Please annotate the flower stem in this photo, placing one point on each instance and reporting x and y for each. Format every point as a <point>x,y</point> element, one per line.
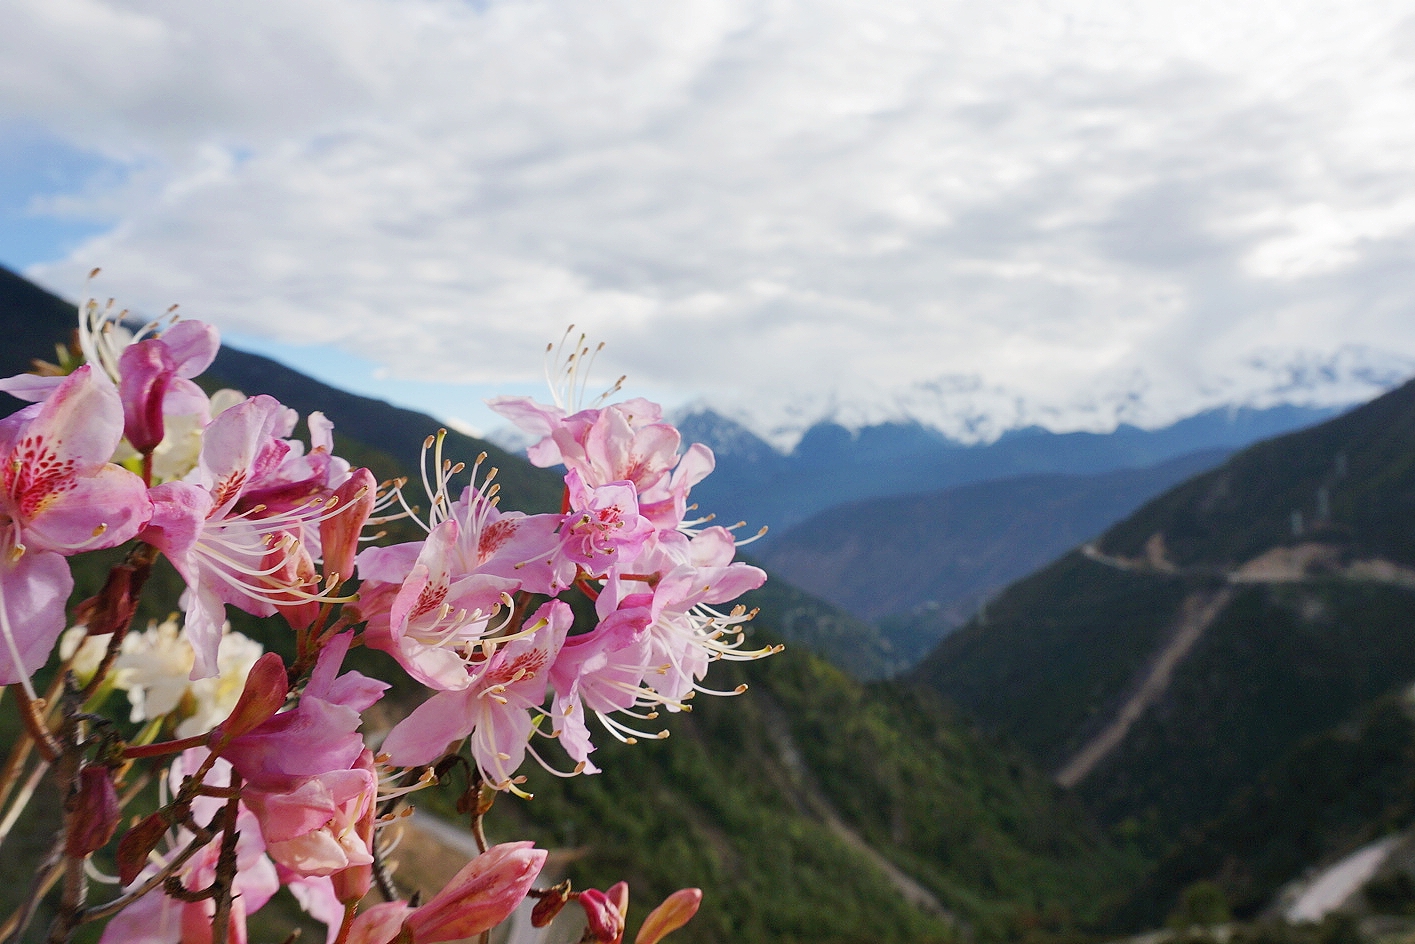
<point>161,748</point>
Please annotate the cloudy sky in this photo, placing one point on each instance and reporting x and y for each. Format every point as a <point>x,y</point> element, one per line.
<point>982,213</point>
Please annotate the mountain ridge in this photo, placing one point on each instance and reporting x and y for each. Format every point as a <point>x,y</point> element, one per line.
<point>1251,607</point>
<point>953,547</point>
<point>832,465</point>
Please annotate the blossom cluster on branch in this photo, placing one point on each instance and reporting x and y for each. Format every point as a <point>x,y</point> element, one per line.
<point>263,775</point>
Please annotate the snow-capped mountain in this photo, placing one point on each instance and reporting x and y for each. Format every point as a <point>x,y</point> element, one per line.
<point>778,463</point>
<point>967,409</point>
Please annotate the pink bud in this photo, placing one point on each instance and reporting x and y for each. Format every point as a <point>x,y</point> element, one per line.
<point>605,917</point>
<point>267,685</point>
<point>96,812</point>
<point>339,534</point>
<point>147,370</point>
<point>677,909</point>
<point>291,569</point>
<point>380,924</point>
<point>618,893</point>
<point>480,896</point>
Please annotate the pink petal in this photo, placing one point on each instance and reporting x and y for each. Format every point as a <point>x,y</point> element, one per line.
<point>423,736</point>
<point>388,564</point>
<point>31,388</point>
<point>32,594</point>
<point>240,446</point>
<point>146,371</point>
<point>193,345</point>
<point>81,422</point>
<point>535,418</point>
<point>100,510</point>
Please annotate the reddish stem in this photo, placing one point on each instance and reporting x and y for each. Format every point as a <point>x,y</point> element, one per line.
<point>165,747</point>
<point>30,714</point>
<point>586,589</point>
<point>351,909</point>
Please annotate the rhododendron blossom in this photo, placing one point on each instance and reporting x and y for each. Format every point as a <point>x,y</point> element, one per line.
<point>60,496</point>
<point>266,772</point>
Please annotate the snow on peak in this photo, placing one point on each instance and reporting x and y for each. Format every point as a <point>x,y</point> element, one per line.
<point>969,409</point>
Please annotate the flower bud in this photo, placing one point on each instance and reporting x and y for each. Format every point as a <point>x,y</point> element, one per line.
<point>480,896</point>
<point>137,843</point>
<point>381,924</point>
<point>112,608</point>
<point>267,685</point>
<point>604,916</point>
<point>339,533</point>
<point>677,909</point>
<point>618,893</point>
<point>146,371</point>
<point>552,900</point>
<point>95,812</point>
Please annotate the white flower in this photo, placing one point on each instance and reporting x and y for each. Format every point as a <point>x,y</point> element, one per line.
<point>154,666</point>
<point>84,651</point>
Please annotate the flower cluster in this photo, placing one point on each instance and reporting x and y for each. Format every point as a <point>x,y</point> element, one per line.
<point>271,780</point>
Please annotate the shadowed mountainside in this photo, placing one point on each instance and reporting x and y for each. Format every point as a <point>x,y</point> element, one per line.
<point>1286,578</point>
<point>953,548</point>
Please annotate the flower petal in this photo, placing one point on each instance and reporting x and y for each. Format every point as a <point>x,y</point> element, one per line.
<point>32,594</point>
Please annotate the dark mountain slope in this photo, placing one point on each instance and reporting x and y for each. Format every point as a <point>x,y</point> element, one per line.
<point>1202,638</point>
<point>955,547</point>
<point>1335,791</point>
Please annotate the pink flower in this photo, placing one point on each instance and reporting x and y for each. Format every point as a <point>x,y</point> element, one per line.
<point>495,708</point>
<point>623,442</point>
<point>691,576</point>
<point>429,603</point>
<point>431,620</point>
<point>244,531</point>
<point>604,525</point>
<point>60,496</point>
<point>314,828</point>
<point>479,897</point>
<point>601,671</point>
<point>317,736</point>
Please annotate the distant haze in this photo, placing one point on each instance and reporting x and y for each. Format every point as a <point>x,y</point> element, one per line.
<point>979,216</point>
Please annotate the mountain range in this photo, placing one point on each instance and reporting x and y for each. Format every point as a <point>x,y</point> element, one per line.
<point>1173,671</point>
<point>832,465</point>
<point>921,565</point>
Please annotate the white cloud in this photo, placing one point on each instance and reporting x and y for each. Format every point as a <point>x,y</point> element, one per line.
<point>1096,211</point>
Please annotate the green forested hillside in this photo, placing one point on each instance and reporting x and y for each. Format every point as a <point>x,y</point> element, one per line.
<point>1193,648</point>
<point>1335,791</point>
